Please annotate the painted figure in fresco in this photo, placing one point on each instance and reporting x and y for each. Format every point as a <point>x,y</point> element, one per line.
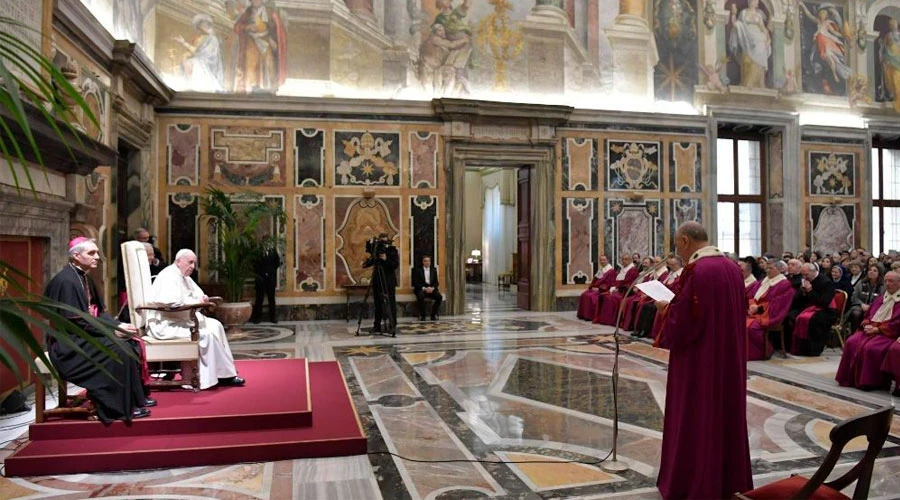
<point>203,67</point>
<point>128,18</point>
<point>889,56</point>
<point>433,54</point>
<point>261,53</point>
<point>829,47</point>
<point>454,74</point>
<point>674,20</point>
<point>751,43</point>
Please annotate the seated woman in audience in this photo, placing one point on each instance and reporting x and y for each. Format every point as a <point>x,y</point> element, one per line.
<point>840,281</point>
<point>865,351</point>
<point>855,268</point>
<point>825,265</point>
<point>864,294</point>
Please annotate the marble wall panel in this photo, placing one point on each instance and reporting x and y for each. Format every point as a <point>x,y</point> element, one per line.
<point>367,158</point>
<point>270,227</point>
<point>423,223</point>
<point>183,210</point>
<point>776,165</point>
<point>579,169</point>
<point>632,165</point>
<point>309,157</point>
<point>423,163</point>
<point>684,210</point>
<point>183,154</point>
<point>579,241</point>
<point>357,220</point>
<point>686,170</point>
<point>247,156</point>
<point>831,228</point>
<point>633,227</point>
<point>831,173</point>
<point>309,243</point>
<point>775,228</point>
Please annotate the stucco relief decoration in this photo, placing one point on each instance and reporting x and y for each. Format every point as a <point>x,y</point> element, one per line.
<point>309,157</point>
<point>247,156</point>
<point>633,166</point>
<point>579,247</point>
<point>183,154</point>
<point>360,219</point>
<point>833,227</point>
<point>686,171</point>
<point>367,159</point>
<point>309,247</point>
<point>831,174</point>
<point>579,164</point>
<point>94,93</point>
<point>423,230</point>
<point>423,153</point>
<point>633,228</point>
<point>95,187</point>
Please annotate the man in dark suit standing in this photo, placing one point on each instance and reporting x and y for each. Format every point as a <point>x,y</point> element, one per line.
<point>425,285</point>
<point>266,267</point>
<point>386,260</point>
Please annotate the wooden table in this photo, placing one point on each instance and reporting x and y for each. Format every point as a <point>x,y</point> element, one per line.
<point>473,272</point>
<point>351,290</point>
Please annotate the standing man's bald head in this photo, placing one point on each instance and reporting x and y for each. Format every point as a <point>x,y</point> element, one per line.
<point>689,238</point>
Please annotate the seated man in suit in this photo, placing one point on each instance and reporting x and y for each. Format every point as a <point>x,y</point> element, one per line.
<point>425,285</point>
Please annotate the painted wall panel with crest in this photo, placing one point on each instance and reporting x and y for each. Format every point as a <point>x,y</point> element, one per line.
<point>358,220</point>
<point>632,166</point>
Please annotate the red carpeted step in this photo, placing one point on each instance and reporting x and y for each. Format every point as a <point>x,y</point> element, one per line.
<point>335,431</point>
<point>276,395</point>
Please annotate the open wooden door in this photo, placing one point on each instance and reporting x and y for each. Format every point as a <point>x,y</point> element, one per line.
<point>27,255</point>
<point>523,207</point>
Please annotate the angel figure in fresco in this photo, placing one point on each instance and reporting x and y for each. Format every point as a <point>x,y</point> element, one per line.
<point>203,67</point>
<point>751,43</point>
<point>455,36</point>
<point>433,54</point>
<point>260,56</point>
<point>715,80</point>
<point>829,46</point>
<point>889,57</point>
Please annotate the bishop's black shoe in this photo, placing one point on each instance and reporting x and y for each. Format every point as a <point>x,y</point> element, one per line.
<point>148,402</point>
<point>140,413</point>
<point>232,381</point>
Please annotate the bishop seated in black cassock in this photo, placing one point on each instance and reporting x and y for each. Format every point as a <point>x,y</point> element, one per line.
<point>118,394</point>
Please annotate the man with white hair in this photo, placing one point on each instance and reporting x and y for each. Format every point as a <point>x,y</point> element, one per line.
<point>174,286</point>
<point>813,324</point>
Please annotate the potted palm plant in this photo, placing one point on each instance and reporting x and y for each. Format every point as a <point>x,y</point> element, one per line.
<point>240,222</point>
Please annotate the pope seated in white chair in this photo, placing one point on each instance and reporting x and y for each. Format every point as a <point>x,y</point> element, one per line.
<point>174,287</point>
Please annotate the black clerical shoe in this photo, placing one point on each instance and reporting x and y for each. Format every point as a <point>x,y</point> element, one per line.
<point>140,413</point>
<point>421,318</point>
<point>433,318</point>
<point>148,402</point>
<point>232,381</point>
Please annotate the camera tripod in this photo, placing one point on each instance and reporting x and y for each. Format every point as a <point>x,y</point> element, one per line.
<point>386,312</point>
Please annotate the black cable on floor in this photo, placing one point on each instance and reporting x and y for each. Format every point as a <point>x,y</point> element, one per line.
<point>582,462</point>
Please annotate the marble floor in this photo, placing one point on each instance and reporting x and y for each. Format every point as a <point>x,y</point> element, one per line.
<point>497,403</point>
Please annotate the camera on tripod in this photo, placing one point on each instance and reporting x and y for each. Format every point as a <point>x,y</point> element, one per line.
<point>376,246</point>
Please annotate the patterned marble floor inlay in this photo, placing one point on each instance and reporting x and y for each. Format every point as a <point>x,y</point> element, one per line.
<point>497,403</point>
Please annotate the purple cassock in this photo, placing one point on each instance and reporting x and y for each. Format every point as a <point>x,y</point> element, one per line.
<point>636,300</point>
<point>864,354</point>
<point>705,447</point>
<point>587,303</point>
<point>891,365</point>
<point>751,285</point>
<point>609,307</point>
<point>775,303</point>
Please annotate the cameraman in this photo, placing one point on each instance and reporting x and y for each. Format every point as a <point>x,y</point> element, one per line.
<point>384,256</point>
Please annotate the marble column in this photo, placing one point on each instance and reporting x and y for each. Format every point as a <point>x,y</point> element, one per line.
<point>634,49</point>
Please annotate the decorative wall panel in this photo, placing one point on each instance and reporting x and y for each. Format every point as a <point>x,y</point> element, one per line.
<point>776,166</point>
<point>309,157</point>
<point>423,235</point>
<point>183,154</point>
<point>633,227</point>
<point>684,210</point>
<point>579,169</point>
<point>367,158</point>
<point>632,165</point>
<point>423,148</point>
<point>831,173</point>
<point>687,167</point>
<point>247,156</point>
<point>833,227</point>
<point>309,242</point>
<point>579,240</point>
<point>358,220</point>
<point>182,224</point>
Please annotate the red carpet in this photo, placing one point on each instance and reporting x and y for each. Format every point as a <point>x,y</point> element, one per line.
<point>269,419</point>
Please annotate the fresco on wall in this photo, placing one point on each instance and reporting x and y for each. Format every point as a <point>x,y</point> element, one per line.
<point>748,36</point>
<point>826,40</point>
<point>675,31</point>
<point>887,60</point>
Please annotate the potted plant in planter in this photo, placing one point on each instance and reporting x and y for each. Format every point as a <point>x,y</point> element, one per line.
<point>239,221</point>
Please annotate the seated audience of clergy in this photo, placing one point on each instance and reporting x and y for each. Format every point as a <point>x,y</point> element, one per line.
<point>119,389</point>
<point>173,287</point>
<point>425,286</point>
<point>864,293</point>
<point>608,304</point>
<point>603,280</point>
<point>632,304</point>
<point>813,316</point>
<point>751,284</point>
<point>865,350</point>
<point>768,307</point>
<point>648,320</point>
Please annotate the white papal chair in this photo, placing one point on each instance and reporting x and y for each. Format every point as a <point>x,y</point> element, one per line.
<point>138,285</point>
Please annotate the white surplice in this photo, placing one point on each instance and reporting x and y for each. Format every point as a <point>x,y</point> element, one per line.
<point>173,288</point>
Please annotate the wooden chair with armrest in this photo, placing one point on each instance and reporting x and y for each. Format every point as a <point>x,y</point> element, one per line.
<point>138,284</point>
<point>874,425</point>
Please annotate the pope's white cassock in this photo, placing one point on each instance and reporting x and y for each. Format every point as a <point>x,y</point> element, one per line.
<point>173,288</point>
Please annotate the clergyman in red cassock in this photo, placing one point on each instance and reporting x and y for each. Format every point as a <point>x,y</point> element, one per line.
<point>768,307</point>
<point>603,280</point>
<point>705,446</point>
<point>751,284</point>
<point>626,275</point>
<point>865,350</point>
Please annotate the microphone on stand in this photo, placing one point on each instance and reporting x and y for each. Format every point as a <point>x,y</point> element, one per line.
<point>615,465</point>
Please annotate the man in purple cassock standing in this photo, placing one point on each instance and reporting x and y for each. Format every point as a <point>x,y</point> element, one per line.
<point>705,447</point>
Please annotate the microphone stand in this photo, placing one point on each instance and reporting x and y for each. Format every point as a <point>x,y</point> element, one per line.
<point>614,465</point>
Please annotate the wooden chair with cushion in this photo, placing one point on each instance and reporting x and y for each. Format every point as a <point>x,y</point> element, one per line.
<point>874,425</point>
<point>840,303</point>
